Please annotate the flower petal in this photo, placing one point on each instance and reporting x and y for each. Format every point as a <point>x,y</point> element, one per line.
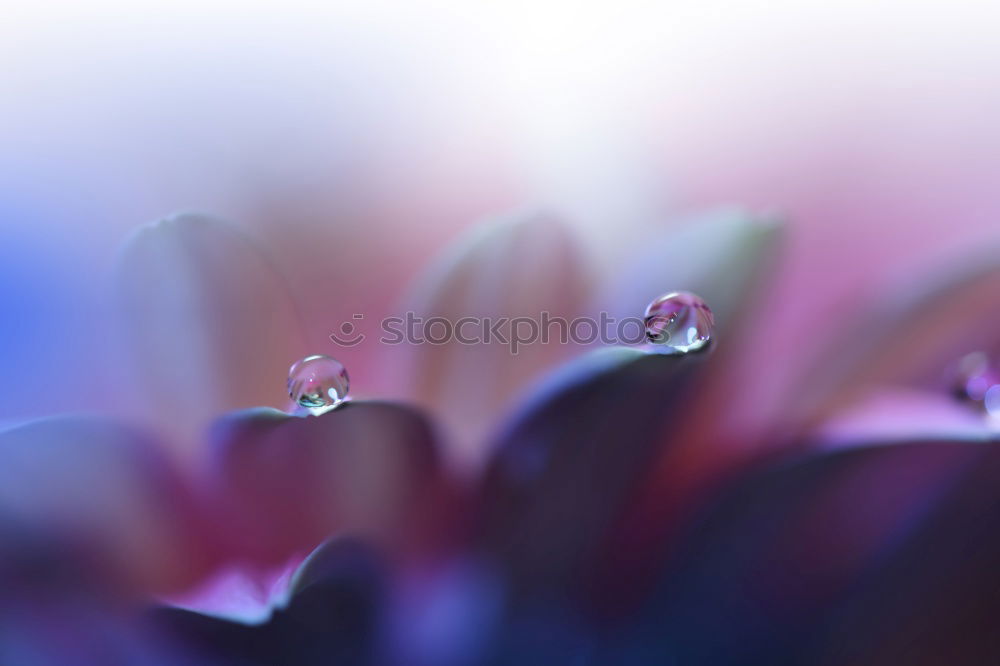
<point>867,555</point>
<point>237,591</point>
<point>340,587</point>
<point>565,466</point>
<point>103,489</point>
<point>627,447</point>
<point>715,256</point>
<point>285,483</point>
<point>518,266</point>
<point>334,616</point>
<point>905,416</point>
<point>212,325</point>
<point>908,338</point>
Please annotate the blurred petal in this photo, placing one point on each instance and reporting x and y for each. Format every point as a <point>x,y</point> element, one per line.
<point>73,631</point>
<point>238,592</point>
<point>285,483</point>
<point>446,616</point>
<point>57,609</point>
<point>909,337</point>
<point>906,415</point>
<point>614,451</point>
<point>334,616</point>
<point>517,266</point>
<point>327,561</point>
<point>546,634</point>
<point>104,489</point>
<point>715,256</point>
<point>210,322</point>
<point>339,588</point>
<point>882,555</point>
<point>727,258</point>
<point>219,641</point>
<point>564,468</point>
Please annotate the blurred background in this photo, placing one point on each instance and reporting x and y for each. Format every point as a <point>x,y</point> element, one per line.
<point>355,140</point>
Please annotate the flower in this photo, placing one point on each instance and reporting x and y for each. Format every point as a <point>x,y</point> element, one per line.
<point>615,515</point>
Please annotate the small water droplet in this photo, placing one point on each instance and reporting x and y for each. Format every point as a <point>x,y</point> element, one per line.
<point>679,322</point>
<point>975,380</point>
<point>318,383</point>
<point>973,376</point>
<point>991,401</point>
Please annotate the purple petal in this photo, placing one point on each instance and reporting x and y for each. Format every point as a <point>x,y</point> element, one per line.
<point>327,562</point>
<point>564,469</point>
<point>211,324</point>
<point>285,483</point>
<point>614,453</point>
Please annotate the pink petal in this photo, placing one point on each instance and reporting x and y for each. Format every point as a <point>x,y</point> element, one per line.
<point>211,324</point>
<point>907,338</point>
<point>242,593</point>
<point>105,490</point>
<point>283,484</point>
<point>906,415</point>
<point>518,266</point>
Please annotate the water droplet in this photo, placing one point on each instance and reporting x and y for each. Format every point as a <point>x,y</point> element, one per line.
<point>991,401</point>
<point>319,383</point>
<point>973,376</point>
<point>975,380</point>
<point>679,322</point>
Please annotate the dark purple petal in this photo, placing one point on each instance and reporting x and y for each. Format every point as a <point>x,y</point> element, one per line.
<point>564,469</point>
<point>75,631</point>
<point>339,587</point>
<point>285,483</point>
<point>218,641</point>
<point>883,555</point>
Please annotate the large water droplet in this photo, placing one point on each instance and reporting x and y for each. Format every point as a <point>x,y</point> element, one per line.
<point>319,383</point>
<point>679,322</point>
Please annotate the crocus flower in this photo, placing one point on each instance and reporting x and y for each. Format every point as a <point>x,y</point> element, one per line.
<point>613,513</point>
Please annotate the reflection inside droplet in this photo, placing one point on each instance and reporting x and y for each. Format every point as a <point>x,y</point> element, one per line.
<point>975,380</point>
<point>973,376</point>
<point>318,383</point>
<point>679,322</point>
<point>991,401</point>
